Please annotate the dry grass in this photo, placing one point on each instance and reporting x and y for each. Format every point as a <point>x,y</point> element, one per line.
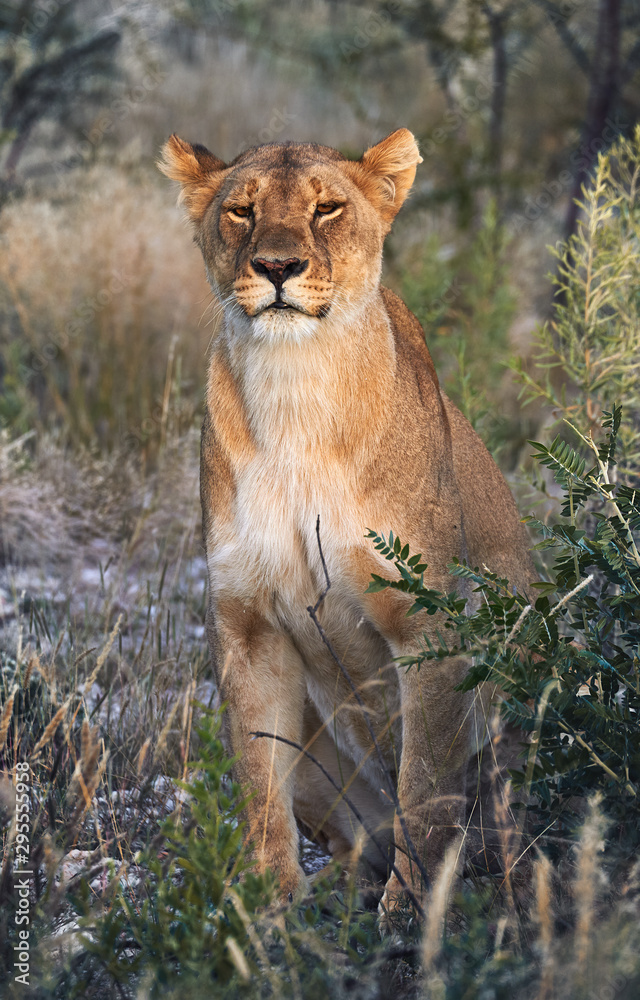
<point>575,933</point>
<point>103,293</point>
<point>102,650</point>
<point>97,556</point>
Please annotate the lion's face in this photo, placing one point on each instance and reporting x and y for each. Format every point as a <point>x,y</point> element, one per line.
<point>290,239</point>
<point>292,233</point>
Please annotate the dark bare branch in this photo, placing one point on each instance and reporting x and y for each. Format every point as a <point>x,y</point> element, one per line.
<point>39,85</point>
<point>324,567</point>
<point>352,807</point>
<point>569,40</point>
<point>631,66</point>
<point>497,21</point>
<point>604,91</point>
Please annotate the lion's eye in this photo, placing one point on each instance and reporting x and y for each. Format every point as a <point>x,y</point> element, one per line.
<point>326,207</point>
<point>241,211</point>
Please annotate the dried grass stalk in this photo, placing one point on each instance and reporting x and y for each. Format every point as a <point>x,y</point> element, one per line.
<point>33,664</point>
<point>166,729</point>
<point>142,756</point>
<point>543,916</point>
<point>88,684</point>
<point>585,887</point>
<point>88,783</point>
<point>254,938</point>
<point>51,728</point>
<point>5,718</point>
<point>238,959</point>
<point>437,911</point>
<point>89,747</point>
<point>509,834</point>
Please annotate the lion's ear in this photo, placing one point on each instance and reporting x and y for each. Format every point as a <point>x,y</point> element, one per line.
<point>387,171</point>
<point>200,173</point>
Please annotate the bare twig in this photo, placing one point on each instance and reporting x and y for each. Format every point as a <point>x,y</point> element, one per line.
<point>367,719</point>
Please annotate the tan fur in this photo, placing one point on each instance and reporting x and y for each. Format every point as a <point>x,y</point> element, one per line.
<point>332,407</point>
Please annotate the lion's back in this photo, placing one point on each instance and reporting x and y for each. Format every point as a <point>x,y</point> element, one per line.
<point>494,533</point>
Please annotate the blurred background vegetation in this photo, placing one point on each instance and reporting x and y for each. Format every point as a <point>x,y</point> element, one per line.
<point>105,321</point>
<point>105,317</point>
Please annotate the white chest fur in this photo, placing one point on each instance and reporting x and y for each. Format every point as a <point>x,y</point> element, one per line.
<point>314,411</point>
<point>270,544</point>
<point>301,403</point>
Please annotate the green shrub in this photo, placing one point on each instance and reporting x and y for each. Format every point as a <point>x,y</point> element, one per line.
<point>587,356</point>
<point>197,918</point>
<point>187,923</point>
<point>567,660</point>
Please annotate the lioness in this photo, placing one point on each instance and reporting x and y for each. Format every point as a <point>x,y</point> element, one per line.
<point>322,400</point>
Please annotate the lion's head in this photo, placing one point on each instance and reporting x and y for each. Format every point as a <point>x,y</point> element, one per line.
<point>292,233</point>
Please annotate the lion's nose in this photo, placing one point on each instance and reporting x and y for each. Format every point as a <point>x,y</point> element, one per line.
<point>277,271</point>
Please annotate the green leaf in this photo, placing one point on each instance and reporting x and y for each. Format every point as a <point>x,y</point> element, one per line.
<point>561,458</point>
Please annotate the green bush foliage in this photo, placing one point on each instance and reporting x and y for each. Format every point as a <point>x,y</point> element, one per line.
<point>187,923</point>
<point>587,356</point>
<point>567,659</point>
<point>196,917</point>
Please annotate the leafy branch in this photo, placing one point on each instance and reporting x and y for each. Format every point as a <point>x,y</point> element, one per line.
<point>565,657</point>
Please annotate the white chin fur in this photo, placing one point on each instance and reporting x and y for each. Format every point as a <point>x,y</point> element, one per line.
<point>283,325</point>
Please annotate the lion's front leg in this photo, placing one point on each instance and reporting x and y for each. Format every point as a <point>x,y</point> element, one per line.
<point>436,729</point>
<point>260,679</point>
